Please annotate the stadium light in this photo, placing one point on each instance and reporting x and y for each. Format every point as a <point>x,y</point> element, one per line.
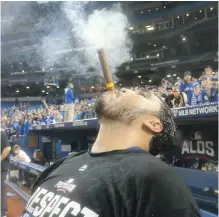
<point>139,76</point>
<point>22,70</point>
<point>150,81</point>
<point>147,56</point>
<point>27,87</point>
<point>150,28</point>
<point>183,38</point>
<point>155,45</point>
<point>178,17</point>
<point>17,91</point>
<point>158,55</point>
<point>200,11</point>
<point>187,15</point>
<point>142,12</point>
<point>43,69</point>
<point>211,8</point>
<point>174,74</point>
<point>43,91</point>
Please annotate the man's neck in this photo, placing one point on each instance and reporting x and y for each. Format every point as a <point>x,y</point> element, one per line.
<point>118,137</point>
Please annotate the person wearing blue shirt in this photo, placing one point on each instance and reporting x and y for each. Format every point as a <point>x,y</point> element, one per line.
<point>15,125</point>
<point>213,95</point>
<point>50,120</point>
<point>209,83</point>
<point>69,103</point>
<point>78,115</point>
<point>27,124</point>
<point>187,86</point>
<point>20,128</point>
<point>198,96</point>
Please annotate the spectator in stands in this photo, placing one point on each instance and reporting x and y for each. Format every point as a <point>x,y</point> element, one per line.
<point>4,121</point>
<point>20,155</point>
<point>78,114</point>
<point>210,83</point>
<point>83,113</point>
<point>61,109</point>
<point>27,124</point>
<point>57,116</point>
<point>20,127</point>
<point>212,91</point>
<point>170,97</point>
<point>69,103</point>
<point>5,152</point>
<point>187,86</point>
<point>91,113</point>
<point>166,84</point>
<point>180,99</point>
<point>38,158</point>
<point>209,73</point>
<point>198,96</point>
<point>161,92</point>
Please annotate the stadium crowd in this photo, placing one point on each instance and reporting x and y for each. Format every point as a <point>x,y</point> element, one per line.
<point>188,91</point>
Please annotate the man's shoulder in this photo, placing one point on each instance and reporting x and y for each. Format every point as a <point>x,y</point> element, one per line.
<point>144,164</point>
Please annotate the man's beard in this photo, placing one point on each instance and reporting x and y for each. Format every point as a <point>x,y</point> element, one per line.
<point>115,111</point>
<point>104,112</point>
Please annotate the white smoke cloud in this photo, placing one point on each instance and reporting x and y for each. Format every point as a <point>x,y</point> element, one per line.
<point>106,28</point>
<point>56,33</point>
<point>53,46</point>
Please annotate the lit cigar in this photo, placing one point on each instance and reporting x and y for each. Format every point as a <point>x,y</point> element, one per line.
<point>106,72</point>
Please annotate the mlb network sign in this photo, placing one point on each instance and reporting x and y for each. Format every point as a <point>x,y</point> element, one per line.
<point>202,110</point>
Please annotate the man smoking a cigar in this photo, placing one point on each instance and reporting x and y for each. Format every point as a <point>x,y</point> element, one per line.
<point>117,176</point>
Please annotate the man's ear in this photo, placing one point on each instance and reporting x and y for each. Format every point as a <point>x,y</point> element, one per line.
<point>154,126</point>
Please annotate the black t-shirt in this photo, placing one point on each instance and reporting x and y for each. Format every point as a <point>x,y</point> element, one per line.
<point>4,143</point>
<point>112,184</point>
<point>168,100</point>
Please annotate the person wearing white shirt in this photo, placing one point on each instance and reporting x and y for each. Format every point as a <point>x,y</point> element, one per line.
<point>20,155</point>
